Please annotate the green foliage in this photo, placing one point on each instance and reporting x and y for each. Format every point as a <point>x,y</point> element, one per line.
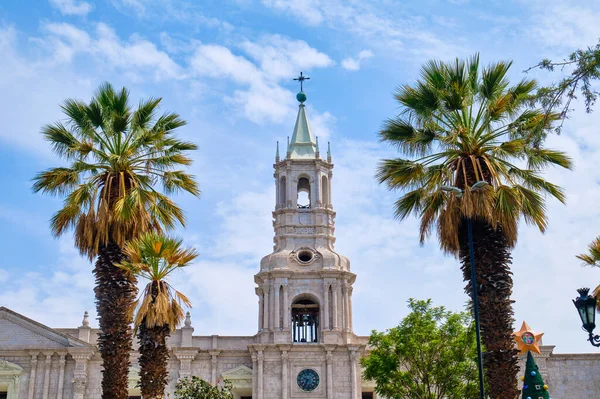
<point>583,68</point>
<point>430,355</point>
<point>462,123</point>
<point>196,388</point>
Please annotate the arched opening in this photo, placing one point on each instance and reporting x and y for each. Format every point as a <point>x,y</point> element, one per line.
<point>324,190</point>
<point>305,321</point>
<point>282,191</point>
<point>303,193</point>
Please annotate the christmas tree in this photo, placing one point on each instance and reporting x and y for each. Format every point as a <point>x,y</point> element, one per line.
<point>533,383</point>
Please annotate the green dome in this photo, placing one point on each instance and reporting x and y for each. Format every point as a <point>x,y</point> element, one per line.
<point>301,97</point>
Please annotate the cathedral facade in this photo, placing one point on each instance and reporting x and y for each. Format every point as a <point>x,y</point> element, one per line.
<point>304,348</point>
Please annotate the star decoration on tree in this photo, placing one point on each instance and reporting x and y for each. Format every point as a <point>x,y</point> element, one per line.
<point>527,339</point>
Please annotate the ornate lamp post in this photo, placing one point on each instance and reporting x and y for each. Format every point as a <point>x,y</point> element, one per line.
<point>586,307</point>
<point>477,186</point>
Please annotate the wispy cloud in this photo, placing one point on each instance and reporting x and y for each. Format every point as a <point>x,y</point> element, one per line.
<point>353,64</point>
<point>72,7</point>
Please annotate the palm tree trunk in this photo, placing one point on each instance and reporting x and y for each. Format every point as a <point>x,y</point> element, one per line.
<point>115,291</point>
<point>494,281</point>
<point>154,358</point>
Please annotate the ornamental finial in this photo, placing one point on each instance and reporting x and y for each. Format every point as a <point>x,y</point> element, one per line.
<point>301,97</point>
<point>188,319</point>
<point>86,320</point>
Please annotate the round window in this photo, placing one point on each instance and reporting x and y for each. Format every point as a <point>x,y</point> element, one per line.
<point>308,380</point>
<point>305,256</point>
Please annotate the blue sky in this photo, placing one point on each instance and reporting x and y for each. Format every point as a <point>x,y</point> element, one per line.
<point>227,67</point>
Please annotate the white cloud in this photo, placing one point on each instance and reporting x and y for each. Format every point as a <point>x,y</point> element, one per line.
<point>72,7</point>
<point>266,63</point>
<point>353,64</point>
<point>570,26</point>
<point>367,21</point>
<point>134,56</point>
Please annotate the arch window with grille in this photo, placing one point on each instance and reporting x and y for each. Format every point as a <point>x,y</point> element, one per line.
<point>305,321</point>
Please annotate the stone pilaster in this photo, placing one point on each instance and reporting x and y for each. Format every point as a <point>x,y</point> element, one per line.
<point>286,307</point>
<point>254,376</point>
<point>79,381</point>
<point>214,361</point>
<point>185,357</point>
<point>284,374</point>
<point>61,375</point>
<point>354,356</point>
<point>260,358</point>
<point>32,370</point>
<point>47,367</point>
<point>329,362</point>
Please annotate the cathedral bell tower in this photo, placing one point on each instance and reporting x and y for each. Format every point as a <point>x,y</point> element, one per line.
<point>304,286</point>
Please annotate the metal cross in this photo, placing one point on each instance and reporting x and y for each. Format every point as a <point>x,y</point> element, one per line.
<point>301,79</point>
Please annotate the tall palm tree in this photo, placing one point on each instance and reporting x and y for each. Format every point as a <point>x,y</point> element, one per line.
<point>461,125</point>
<point>592,258</point>
<point>153,257</point>
<point>120,166</point>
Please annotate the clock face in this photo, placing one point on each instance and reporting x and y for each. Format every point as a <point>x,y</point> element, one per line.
<point>308,380</point>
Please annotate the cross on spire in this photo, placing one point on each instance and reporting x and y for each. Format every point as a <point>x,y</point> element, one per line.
<point>301,79</point>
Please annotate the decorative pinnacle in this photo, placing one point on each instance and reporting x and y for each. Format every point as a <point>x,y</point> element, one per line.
<point>288,152</point>
<point>277,153</point>
<point>86,320</point>
<point>317,148</point>
<point>583,292</point>
<point>328,151</point>
<point>188,319</point>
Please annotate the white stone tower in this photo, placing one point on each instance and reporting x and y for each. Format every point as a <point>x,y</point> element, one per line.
<point>304,286</point>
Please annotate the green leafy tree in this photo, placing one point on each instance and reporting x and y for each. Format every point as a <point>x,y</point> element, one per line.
<point>120,166</point>
<point>583,67</point>
<point>430,355</point>
<point>153,257</point>
<point>462,124</point>
<point>196,388</point>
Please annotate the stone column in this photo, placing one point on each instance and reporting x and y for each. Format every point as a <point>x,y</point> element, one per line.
<point>32,369</point>
<point>61,376</point>
<point>185,357</point>
<point>260,356</point>
<point>346,310</point>
<point>326,325</point>
<point>261,316</point>
<point>276,311</point>
<point>213,366</point>
<point>254,377</point>
<point>286,306</point>
<point>47,367</point>
<point>79,381</point>
<point>349,289</point>
<point>353,377</point>
<point>336,311</point>
<point>266,308</point>
<point>284,374</point>
<point>329,358</point>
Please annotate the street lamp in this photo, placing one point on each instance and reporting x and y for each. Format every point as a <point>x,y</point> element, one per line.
<point>477,186</point>
<point>586,307</point>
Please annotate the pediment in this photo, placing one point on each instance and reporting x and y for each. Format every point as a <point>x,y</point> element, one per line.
<point>8,368</point>
<point>19,332</point>
<point>238,373</point>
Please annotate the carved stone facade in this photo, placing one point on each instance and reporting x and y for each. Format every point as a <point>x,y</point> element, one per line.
<point>305,347</point>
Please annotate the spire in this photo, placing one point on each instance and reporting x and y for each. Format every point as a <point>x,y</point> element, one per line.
<point>303,144</point>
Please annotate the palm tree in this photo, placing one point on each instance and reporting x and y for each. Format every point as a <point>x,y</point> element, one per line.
<point>153,257</point>
<point>592,258</point>
<point>121,165</point>
<point>461,125</point>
